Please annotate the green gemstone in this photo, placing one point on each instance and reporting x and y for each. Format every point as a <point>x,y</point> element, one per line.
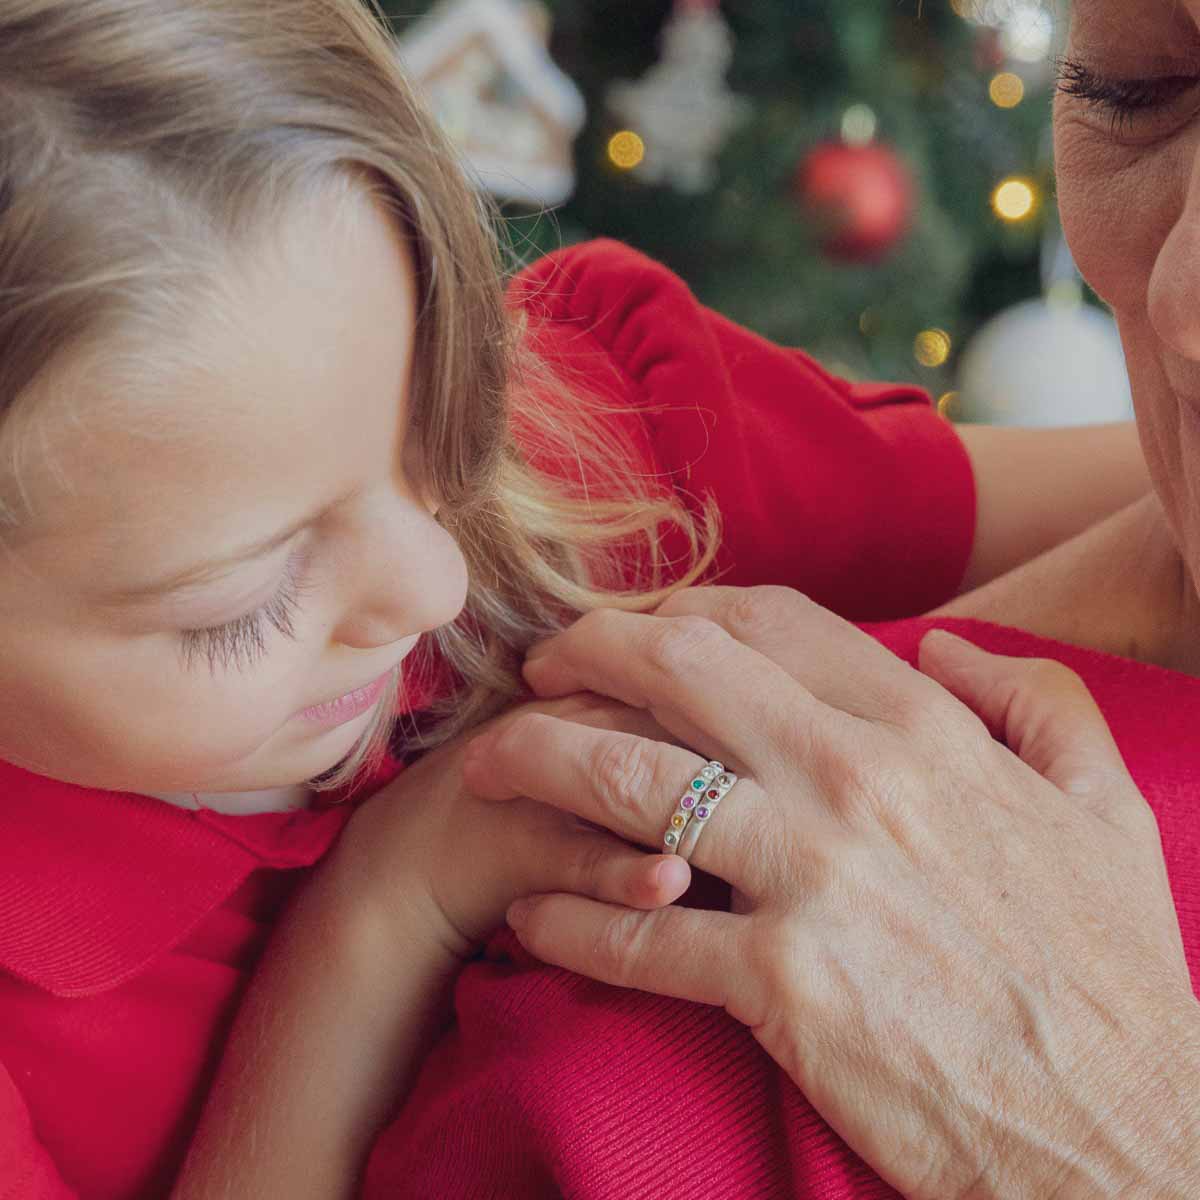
<point>697,784</point>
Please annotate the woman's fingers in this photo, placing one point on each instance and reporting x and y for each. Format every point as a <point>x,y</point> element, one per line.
<point>586,708</point>
<point>691,954</point>
<point>628,784</point>
<point>554,854</point>
<point>718,696</point>
<point>839,664</point>
<point>591,863</point>
<point>596,773</point>
<point>1041,710</point>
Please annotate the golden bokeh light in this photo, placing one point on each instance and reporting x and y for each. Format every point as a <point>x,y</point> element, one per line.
<point>1014,199</point>
<point>1006,90</point>
<point>626,149</point>
<point>932,347</point>
<point>948,405</point>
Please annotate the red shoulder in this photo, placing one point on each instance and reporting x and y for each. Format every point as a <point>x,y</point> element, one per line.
<point>860,495</point>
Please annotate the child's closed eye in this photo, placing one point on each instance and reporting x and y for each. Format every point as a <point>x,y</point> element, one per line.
<point>243,642</point>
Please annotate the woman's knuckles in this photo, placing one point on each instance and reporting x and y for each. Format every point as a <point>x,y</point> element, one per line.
<point>618,946</point>
<point>623,774</point>
<point>764,615</point>
<point>685,646</point>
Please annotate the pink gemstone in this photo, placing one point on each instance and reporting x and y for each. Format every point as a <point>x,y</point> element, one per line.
<point>688,801</point>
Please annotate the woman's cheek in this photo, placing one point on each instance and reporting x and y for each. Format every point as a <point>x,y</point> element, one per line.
<point>1117,208</point>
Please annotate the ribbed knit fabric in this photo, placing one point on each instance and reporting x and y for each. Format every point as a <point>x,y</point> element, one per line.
<point>551,1085</point>
<point>129,928</point>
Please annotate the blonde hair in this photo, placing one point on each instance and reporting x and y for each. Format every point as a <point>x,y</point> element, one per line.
<point>143,142</point>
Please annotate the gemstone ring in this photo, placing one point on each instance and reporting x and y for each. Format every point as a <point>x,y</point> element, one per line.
<point>707,789</point>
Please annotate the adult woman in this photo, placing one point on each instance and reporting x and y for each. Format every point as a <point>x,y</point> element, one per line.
<point>967,958</point>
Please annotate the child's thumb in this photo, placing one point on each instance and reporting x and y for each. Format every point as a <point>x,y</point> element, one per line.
<point>1038,707</point>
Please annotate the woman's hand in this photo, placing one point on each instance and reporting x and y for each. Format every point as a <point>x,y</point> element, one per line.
<point>426,847</point>
<point>967,958</point>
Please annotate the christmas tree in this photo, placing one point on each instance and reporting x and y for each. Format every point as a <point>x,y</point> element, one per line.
<point>870,181</point>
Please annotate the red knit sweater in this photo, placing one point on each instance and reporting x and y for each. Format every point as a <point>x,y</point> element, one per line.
<point>551,1085</point>
<point>128,928</point>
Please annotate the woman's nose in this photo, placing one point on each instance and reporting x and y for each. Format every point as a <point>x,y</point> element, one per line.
<point>401,574</point>
<point>1174,294</point>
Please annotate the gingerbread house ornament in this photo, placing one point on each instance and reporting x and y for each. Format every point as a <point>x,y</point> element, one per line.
<point>486,70</point>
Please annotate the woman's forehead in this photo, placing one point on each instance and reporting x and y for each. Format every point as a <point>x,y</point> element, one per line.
<point>1122,20</point>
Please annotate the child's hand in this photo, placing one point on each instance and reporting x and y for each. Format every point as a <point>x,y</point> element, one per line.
<point>425,848</point>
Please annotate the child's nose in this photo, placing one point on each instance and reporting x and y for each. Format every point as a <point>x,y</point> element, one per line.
<point>405,575</point>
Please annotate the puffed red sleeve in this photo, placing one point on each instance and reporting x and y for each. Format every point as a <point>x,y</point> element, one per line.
<point>861,496</point>
<point>26,1170</point>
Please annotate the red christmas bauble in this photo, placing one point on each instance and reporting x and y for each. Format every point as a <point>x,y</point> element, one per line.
<point>862,198</point>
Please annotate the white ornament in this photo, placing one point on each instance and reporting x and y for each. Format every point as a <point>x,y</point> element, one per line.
<point>1027,32</point>
<point>681,108</point>
<point>484,66</point>
<point>1053,362</point>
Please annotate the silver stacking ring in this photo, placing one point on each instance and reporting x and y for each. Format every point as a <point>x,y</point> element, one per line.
<point>709,786</point>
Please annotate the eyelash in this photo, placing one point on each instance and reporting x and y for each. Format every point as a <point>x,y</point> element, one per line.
<point>242,643</point>
<point>1124,98</point>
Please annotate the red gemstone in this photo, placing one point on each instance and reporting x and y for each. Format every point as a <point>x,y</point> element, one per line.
<point>713,794</point>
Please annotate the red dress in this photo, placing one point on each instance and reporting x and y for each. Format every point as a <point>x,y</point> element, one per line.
<point>129,928</point>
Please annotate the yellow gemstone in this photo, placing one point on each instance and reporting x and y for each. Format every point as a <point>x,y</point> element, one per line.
<point>677,821</point>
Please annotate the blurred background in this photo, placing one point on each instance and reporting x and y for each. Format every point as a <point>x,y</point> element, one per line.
<point>870,180</point>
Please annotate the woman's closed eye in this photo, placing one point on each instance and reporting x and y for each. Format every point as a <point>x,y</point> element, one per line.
<point>243,642</point>
<point>1127,101</point>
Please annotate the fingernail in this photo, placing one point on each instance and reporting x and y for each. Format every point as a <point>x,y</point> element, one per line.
<point>943,637</point>
<point>537,649</point>
<point>534,662</point>
<point>533,670</point>
<point>518,913</point>
<point>476,749</point>
<point>670,873</point>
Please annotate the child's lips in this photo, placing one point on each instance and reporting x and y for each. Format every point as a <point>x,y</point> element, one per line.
<point>356,701</point>
<point>352,704</point>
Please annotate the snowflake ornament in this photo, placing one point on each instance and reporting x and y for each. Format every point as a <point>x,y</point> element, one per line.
<point>681,108</point>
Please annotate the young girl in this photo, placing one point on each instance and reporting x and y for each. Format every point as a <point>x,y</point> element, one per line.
<point>266,420</point>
